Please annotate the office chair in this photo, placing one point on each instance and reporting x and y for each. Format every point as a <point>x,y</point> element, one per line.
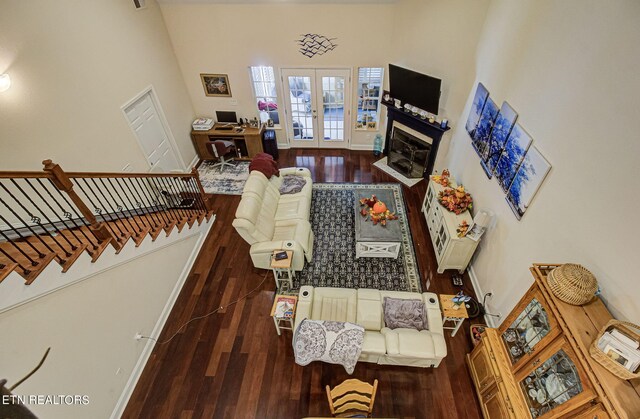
<point>352,398</point>
<point>221,148</point>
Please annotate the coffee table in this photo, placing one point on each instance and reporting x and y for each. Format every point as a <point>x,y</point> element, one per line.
<point>377,241</point>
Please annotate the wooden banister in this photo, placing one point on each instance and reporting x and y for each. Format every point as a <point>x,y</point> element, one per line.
<point>203,195</point>
<point>62,181</point>
<point>88,175</point>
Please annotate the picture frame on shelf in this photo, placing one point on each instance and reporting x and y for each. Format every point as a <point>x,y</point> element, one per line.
<point>216,85</point>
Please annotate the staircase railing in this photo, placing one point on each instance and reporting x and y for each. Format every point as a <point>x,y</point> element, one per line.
<point>57,215</point>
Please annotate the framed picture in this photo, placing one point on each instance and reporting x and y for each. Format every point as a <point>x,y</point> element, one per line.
<point>505,121</point>
<point>485,125</point>
<point>527,181</point>
<point>476,108</point>
<point>514,150</point>
<point>216,85</point>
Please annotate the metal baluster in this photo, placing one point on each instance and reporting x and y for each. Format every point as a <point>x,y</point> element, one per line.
<point>193,188</point>
<point>15,214</point>
<point>38,220</point>
<point>160,218</point>
<point>170,211</point>
<point>73,247</point>
<point>177,193</point>
<point>129,211</point>
<point>119,207</point>
<point>137,206</point>
<point>167,184</point>
<point>145,187</point>
<point>68,215</point>
<point>8,256</point>
<point>29,258</point>
<point>99,210</point>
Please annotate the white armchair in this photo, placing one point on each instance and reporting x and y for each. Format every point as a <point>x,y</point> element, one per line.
<point>269,221</point>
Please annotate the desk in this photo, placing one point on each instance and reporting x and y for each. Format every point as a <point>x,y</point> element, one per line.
<point>451,314</point>
<point>248,142</point>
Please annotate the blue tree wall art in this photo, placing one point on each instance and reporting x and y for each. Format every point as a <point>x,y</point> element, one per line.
<point>514,150</point>
<point>527,181</point>
<point>476,108</point>
<point>501,129</point>
<point>483,130</point>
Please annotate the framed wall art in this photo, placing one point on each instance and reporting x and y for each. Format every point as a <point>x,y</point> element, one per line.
<point>527,181</point>
<point>216,85</point>
<point>514,150</point>
<point>483,130</point>
<point>505,121</point>
<point>476,108</point>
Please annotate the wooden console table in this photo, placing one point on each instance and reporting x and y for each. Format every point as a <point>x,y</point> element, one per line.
<point>248,141</point>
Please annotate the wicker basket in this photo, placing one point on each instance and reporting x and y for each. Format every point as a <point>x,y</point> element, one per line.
<point>573,284</point>
<point>616,369</point>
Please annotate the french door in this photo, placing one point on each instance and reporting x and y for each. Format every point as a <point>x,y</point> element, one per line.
<point>317,107</point>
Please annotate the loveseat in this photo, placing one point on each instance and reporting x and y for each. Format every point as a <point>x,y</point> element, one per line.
<point>269,220</point>
<point>401,346</point>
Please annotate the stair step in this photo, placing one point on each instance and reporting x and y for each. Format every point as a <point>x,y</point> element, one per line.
<point>8,268</point>
<point>34,271</point>
<point>123,239</point>
<point>139,237</point>
<point>201,216</point>
<point>69,261</point>
<point>181,223</point>
<point>155,233</point>
<point>209,214</point>
<point>95,253</point>
<point>169,227</point>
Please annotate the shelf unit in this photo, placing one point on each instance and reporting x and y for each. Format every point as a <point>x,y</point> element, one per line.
<point>452,252</point>
<point>537,363</point>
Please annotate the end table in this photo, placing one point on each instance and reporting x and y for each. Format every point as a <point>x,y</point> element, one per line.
<point>282,271</point>
<point>452,314</point>
<point>283,312</point>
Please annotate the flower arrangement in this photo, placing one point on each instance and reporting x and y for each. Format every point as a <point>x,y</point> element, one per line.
<point>377,210</point>
<point>442,179</point>
<point>462,229</point>
<point>455,200</point>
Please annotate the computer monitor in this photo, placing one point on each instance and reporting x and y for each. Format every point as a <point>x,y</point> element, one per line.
<point>228,117</point>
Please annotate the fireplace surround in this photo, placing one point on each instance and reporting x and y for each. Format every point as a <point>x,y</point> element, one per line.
<point>410,154</point>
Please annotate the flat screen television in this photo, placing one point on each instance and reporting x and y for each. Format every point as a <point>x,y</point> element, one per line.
<point>415,88</point>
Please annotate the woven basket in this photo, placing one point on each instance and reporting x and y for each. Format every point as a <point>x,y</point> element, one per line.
<point>573,284</point>
<point>616,369</point>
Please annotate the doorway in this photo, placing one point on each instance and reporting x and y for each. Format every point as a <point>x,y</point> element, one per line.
<point>317,107</point>
<point>144,118</point>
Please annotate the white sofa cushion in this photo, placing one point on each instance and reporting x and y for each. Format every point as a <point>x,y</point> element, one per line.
<point>336,304</point>
<point>408,343</point>
<point>374,343</point>
<point>369,314</point>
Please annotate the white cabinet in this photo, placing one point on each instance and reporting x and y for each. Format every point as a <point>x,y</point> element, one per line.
<point>452,252</point>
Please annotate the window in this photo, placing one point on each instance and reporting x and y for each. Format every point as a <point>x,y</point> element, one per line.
<point>263,80</point>
<point>369,91</point>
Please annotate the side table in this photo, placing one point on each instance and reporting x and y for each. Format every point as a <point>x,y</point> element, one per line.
<point>282,271</point>
<point>283,312</point>
<point>452,314</point>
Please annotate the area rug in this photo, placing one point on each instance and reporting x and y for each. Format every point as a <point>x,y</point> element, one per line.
<point>230,182</point>
<point>382,165</point>
<point>334,255</point>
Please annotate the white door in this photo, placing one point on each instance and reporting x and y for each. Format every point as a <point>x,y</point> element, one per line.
<point>145,122</point>
<point>317,107</point>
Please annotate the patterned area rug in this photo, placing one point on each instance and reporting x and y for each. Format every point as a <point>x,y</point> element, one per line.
<point>334,255</point>
<point>382,165</point>
<point>230,182</point>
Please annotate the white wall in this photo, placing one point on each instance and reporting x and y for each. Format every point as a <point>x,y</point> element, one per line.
<point>90,328</point>
<point>224,38</point>
<point>570,69</point>
<point>73,65</point>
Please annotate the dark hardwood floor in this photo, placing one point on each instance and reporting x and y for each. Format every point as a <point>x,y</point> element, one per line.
<point>232,364</point>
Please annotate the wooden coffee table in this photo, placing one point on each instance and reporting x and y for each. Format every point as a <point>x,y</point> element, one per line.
<point>377,241</point>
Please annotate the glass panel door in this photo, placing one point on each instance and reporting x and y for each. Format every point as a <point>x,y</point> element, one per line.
<point>317,104</point>
<point>332,86</point>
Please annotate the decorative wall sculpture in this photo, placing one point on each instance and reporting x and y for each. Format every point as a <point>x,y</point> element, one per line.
<point>312,44</point>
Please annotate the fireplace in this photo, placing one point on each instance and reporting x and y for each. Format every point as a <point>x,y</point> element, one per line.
<point>411,143</point>
<point>408,151</point>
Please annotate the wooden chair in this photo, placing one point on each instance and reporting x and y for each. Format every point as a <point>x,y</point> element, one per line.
<point>352,398</point>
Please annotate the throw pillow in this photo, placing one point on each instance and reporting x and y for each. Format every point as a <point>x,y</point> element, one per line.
<point>265,164</point>
<point>401,313</point>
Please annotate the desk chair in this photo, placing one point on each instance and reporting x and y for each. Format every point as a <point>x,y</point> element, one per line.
<point>221,148</point>
<point>352,399</point>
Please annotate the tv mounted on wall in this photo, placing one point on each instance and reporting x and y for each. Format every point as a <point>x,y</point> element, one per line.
<point>415,88</point>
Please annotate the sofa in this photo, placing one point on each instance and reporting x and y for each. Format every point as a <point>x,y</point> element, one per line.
<point>401,346</point>
<point>269,220</point>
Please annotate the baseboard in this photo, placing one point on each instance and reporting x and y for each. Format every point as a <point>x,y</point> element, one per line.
<point>284,146</point>
<point>491,321</point>
<point>364,147</point>
<point>164,315</point>
<point>193,163</point>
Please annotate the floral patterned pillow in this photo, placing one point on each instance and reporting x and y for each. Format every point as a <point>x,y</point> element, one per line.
<point>401,313</point>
